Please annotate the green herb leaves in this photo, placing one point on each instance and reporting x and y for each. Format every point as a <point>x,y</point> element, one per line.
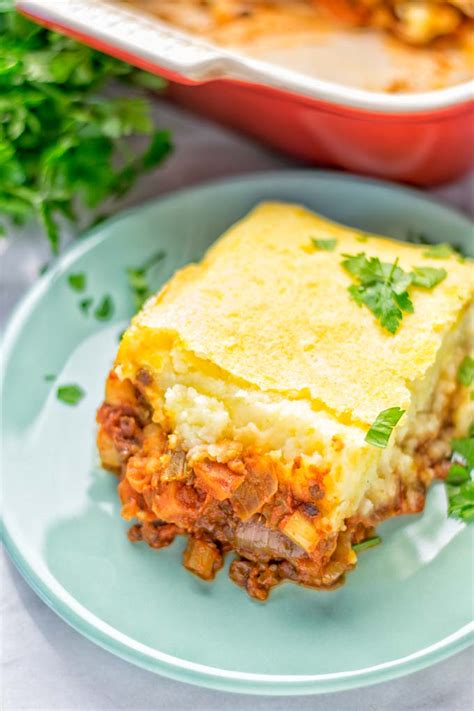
<point>459,481</point>
<point>327,245</point>
<point>138,279</point>
<point>466,371</point>
<point>77,282</point>
<point>59,140</point>
<point>70,394</point>
<point>368,543</point>
<point>105,309</point>
<point>427,277</point>
<point>85,305</point>
<point>379,434</point>
<point>439,251</point>
<point>383,287</point>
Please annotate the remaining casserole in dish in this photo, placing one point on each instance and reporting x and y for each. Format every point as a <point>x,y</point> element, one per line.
<point>285,395</point>
<point>396,46</point>
<point>417,22</point>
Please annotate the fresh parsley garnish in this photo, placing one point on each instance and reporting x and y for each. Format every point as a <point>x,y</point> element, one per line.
<point>49,377</point>
<point>436,251</point>
<point>138,279</point>
<point>368,543</point>
<point>85,305</point>
<point>105,309</point>
<point>379,433</point>
<point>459,481</point>
<point>457,474</point>
<point>383,287</point>
<point>60,141</point>
<point>327,245</point>
<point>463,448</point>
<point>70,394</point>
<point>77,282</point>
<point>439,251</point>
<point>466,371</point>
<point>427,277</point>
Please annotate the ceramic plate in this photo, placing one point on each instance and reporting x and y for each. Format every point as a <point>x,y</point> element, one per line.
<point>406,606</point>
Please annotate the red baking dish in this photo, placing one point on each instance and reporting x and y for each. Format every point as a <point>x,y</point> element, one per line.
<point>422,138</point>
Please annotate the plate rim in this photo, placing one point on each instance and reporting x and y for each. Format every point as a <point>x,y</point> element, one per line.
<point>62,602</point>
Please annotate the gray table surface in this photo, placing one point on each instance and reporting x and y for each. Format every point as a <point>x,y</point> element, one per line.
<point>45,663</point>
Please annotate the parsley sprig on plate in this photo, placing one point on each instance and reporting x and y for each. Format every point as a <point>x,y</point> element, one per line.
<point>70,394</point>
<point>59,139</point>
<point>383,287</point>
<point>459,482</point>
<point>137,278</point>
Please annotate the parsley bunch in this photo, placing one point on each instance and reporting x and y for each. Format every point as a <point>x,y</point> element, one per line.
<point>383,287</point>
<point>59,140</point>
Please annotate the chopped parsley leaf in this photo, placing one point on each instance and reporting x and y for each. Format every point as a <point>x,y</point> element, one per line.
<point>85,305</point>
<point>379,433</point>
<point>77,282</point>
<point>327,245</point>
<point>105,309</point>
<point>466,371</point>
<point>138,279</point>
<point>428,277</point>
<point>443,250</point>
<point>70,394</point>
<point>382,288</point>
<point>368,543</point>
<point>49,377</point>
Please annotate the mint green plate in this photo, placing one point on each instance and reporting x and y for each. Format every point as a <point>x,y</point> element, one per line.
<point>407,605</point>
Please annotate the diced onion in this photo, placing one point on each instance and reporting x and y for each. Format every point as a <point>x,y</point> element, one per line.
<point>258,487</point>
<point>202,558</point>
<point>301,530</point>
<point>175,470</point>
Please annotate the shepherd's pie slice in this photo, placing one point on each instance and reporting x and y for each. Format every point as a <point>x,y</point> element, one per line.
<point>288,393</point>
